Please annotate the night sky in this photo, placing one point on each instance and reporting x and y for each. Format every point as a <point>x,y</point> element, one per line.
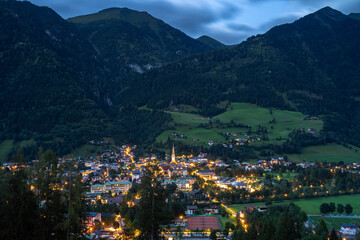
<point>229,21</point>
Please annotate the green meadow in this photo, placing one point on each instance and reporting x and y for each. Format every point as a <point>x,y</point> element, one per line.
<point>327,153</point>
<point>244,113</point>
<point>254,116</point>
<point>5,148</point>
<point>335,222</point>
<point>311,206</point>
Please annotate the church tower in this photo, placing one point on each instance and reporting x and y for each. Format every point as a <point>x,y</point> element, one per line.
<point>173,157</point>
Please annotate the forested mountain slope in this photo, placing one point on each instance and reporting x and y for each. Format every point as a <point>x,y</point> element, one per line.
<point>311,65</point>
<point>54,88</point>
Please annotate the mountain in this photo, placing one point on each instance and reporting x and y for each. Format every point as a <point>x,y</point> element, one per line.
<point>311,65</point>
<point>131,41</point>
<point>54,89</point>
<point>355,16</point>
<point>212,43</point>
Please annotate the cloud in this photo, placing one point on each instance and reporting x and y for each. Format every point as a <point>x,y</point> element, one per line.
<point>240,27</point>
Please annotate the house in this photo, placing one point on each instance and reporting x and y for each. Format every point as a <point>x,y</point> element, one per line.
<point>197,195</point>
<point>262,208</point>
<point>117,200</point>
<point>185,183</point>
<point>205,174</point>
<point>114,187</point>
<point>90,218</point>
<point>250,208</point>
<point>97,188</point>
<point>135,175</point>
<point>191,210</point>
<point>239,184</point>
<point>349,230</point>
<point>177,172</point>
<point>213,209</point>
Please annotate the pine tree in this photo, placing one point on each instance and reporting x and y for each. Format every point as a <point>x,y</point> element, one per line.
<point>267,230</point>
<point>333,235</point>
<point>340,208</point>
<point>286,228</point>
<point>321,230</point>
<point>213,235</point>
<point>332,207</point>
<point>18,208</point>
<point>151,205</point>
<point>348,209</point>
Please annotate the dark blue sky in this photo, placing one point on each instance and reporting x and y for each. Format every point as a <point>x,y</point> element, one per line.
<point>229,21</point>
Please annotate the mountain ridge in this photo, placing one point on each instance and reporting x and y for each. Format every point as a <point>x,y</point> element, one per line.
<point>211,42</point>
<point>65,83</point>
<point>54,87</point>
<point>299,66</point>
<point>135,39</point>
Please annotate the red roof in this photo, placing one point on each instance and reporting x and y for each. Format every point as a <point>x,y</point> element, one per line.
<point>203,223</point>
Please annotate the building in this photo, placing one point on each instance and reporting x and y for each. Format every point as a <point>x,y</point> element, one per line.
<point>181,171</point>
<point>206,174</point>
<point>173,157</point>
<point>91,217</point>
<point>190,210</point>
<point>213,209</point>
<point>114,187</point>
<point>349,231</point>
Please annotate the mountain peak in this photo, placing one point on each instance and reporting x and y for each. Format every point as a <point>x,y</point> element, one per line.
<point>123,14</point>
<point>330,13</point>
<point>212,43</point>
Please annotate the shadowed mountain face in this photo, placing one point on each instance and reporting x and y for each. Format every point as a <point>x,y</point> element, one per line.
<point>212,43</point>
<point>311,65</point>
<point>355,16</point>
<point>130,41</point>
<point>62,83</point>
<point>54,87</point>
<point>45,62</point>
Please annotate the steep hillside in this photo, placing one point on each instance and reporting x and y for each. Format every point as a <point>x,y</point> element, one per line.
<point>53,87</point>
<point>311,65</point>
<point>212,43</point>
<point>355,16</point>
<point>131,41</point>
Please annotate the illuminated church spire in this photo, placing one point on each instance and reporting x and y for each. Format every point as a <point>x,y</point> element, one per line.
<point>173,157</point>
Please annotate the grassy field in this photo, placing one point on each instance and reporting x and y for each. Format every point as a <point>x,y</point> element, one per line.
<point>312,206</point>
<point>328,153</point>
<point>87,149</point>
<point>335,222</point>
<point>245,113</point>
<point>252,115</point>
<point>5,148</point>
<point>224,220</point>
<point>7,145</point>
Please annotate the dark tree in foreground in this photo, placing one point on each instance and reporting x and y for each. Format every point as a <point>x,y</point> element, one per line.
<point>340,208</point>
<point>332,207</point>
<point>348,209</point>
<point>324,208</point>
<point>286,227</point>
<point>151,206</point>
<point>333,235</point>
<point>321,230</point>
<point>18,208</point>
<point>61,213</point>
<point>213,235</point>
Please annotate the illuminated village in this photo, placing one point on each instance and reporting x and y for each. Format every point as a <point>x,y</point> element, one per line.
<point>205,186</point>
